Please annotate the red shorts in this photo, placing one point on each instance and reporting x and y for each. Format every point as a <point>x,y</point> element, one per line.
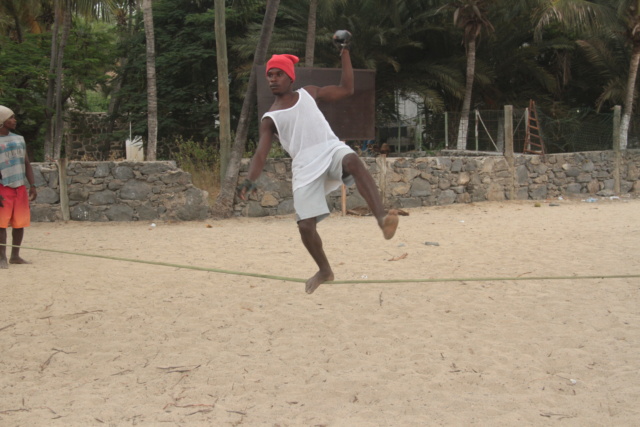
<point>15,213</point>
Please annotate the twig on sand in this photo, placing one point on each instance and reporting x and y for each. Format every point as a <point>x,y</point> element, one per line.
<point>55,351</point>
<point>201,411</point>
<point>399,257</point>
<point>8,326</point>
<point>560,416</point>
<point>8,411</point>
<point>192,405</point>
<point>180,369</point>
<point>81,313</point>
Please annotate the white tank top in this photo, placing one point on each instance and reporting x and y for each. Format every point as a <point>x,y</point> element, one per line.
<point>306,135</point>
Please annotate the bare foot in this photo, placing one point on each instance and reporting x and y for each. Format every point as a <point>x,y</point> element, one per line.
<point>318,279</point>
<point>4,264</point>
<point>390,224</point>
<point>18,260</point>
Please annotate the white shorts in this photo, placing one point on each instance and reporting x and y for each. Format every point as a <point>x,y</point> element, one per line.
<point>310,201</point>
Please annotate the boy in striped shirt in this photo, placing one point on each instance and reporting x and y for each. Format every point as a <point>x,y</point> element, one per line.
<point>15,173</point>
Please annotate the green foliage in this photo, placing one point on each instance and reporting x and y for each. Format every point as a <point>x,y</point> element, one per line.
<point>191,154</point>
<point>89,58</point>
<point>186,73</point>
<point>201,160</point>
<point>558,53</point>
<point>96,102</point>
<point>24,73</point>
<point>23,85</point>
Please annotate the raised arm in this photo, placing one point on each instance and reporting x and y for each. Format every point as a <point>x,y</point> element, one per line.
<point>343,90</point>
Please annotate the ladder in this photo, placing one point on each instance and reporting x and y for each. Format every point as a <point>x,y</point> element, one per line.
<point>533,141</point>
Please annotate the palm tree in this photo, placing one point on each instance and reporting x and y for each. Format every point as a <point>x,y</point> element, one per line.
<point>629,10</point>
<point>224,202</point>
<point>152,92</point>
<point>53,109</point>
<point>18,14</point>
<point>223,87</point>
<point>600,20</point>
<point>122,11</point>
<point>520,67</point>
<point>606,60</point>
<point>566,20</point>
<point>63,15</point>
<point>312,23</point>
<point>471,17</point>
<point>311,34</point>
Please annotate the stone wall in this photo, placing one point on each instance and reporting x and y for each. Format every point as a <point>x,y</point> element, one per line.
<point>119,191</point>
<point>88,137</point>
<point>145,191</point>
<point>428,181</point>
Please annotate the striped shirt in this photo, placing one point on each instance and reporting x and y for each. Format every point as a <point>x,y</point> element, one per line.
<point>13,151</point>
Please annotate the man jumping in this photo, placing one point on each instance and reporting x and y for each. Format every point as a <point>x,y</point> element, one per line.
<point>320,161</point>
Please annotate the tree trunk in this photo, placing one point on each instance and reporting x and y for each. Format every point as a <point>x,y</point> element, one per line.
<point>152,94</point>
<point>223,207</point>
<point>224,111</point>
<point>51,86</point>
<point>466,103</point>
<point>628,102</point>
<point>124,28</point>
<point>58,128</point>
<point>311,34</point>
<point>114,102</point>
<point>16,22</point>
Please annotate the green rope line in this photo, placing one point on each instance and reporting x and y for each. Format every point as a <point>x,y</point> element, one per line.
<point>486,279</point>
<point>167,264</point>
<point>337,282</point>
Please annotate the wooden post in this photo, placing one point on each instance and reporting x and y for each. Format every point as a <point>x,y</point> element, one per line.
<point>476,129</point>
<point>381,161</point>
<point>508,149</point>
<point>446,130</point>
<point>64,194</point>
<point>344,200</point>
<point>616,149</point>
<point>223,86</point>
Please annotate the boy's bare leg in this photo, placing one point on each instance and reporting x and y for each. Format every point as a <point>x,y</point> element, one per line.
<point>3,249</point>
<point>313,243</point>
<point>387,221</point>
<point>17,235</point>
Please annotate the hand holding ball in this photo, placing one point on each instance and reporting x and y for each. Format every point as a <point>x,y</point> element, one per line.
<point>342,39</point>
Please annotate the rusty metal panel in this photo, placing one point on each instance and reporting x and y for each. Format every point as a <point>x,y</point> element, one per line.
<point>352,118</point>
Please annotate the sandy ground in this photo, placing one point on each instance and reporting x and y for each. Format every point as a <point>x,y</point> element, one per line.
<point>87,341</point>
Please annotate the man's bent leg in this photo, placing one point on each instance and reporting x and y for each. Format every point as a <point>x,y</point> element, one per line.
<point>388,221</point>
<point>3,249</point>
<point>17,235</point>
<point>312,241</point>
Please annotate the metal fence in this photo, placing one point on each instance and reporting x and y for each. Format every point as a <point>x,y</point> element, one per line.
<point>580,130</point>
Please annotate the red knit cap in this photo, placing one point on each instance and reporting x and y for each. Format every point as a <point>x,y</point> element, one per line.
<point>285,63</point>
